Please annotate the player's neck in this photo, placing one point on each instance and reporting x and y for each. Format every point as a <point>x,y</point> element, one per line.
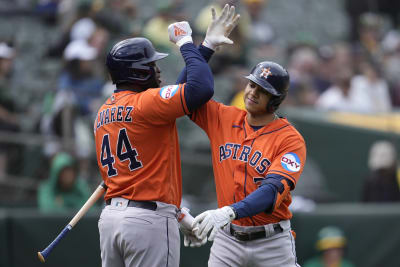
<point>130,87</point>
<point>260,119</point>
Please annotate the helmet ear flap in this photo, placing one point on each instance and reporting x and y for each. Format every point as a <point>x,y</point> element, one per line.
<point>140,72</point>
<point>274,103</point>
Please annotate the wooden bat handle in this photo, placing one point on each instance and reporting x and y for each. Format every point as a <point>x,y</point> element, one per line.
<point>89,203</point>
<point>42,255</point>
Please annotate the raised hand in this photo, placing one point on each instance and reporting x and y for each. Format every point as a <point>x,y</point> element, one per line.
<point>220,28</point>
<point>180,33</point>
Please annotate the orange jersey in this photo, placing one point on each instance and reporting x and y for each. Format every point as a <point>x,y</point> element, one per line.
<point>242,157</point>
<point>137,144</point>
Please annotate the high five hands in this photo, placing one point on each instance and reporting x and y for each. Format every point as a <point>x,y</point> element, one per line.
<point>220,28</point>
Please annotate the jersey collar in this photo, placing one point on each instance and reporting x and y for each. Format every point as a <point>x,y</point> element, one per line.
<point>271,127</point>
<point>117,95</point>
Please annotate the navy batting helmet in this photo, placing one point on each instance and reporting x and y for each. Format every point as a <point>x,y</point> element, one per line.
<point>273,78</point>
<point>127,62</point>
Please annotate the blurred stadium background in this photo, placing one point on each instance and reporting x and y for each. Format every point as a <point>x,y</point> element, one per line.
<point>344,61</point>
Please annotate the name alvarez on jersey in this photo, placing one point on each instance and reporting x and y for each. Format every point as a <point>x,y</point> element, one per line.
<point>114,114</point>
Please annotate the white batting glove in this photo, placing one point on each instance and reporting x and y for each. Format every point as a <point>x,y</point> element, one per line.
<point>212,220</point>
<point>190,239</point>
<point>180,33</point>
<point>220,28</point>
<point>185,225</point>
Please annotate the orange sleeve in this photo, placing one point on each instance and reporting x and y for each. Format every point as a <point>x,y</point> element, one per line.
<point>290,161</point>
<point>280,196</point>
<point>207,116</point>
<point>162,105</point>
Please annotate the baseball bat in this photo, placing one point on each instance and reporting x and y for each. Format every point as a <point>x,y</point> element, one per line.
<point>42,255</point>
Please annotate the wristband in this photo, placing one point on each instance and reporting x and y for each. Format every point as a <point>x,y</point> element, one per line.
<point>208,44</point>
<point>184,40</point>
<point>234,211</point>
<point>184,218</point>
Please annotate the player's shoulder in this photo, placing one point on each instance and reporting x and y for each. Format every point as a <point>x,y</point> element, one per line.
<point>291,132</point>
<point>164,92</point>
<point>225,108</point>
<point>221,111</point>
<point>151,96</point>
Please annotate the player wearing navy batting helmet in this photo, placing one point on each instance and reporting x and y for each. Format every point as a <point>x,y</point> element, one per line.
<point>128,62</point>
<point>274,79</point>
<point>137,151</point>
<point>258,158</point>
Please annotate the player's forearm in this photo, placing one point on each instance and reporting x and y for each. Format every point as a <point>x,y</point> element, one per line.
<point>206,54</point>
<point>258,201</point>
<point>199,87</point>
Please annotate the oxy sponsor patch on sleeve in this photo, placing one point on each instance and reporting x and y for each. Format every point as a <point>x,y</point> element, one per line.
<point>291,162</point>
<point>168,91</point>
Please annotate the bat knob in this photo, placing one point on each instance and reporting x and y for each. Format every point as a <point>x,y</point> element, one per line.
<point>40,256</point>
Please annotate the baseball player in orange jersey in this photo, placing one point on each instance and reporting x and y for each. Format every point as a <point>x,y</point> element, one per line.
<point>257,158</point>
<point>138,154</point>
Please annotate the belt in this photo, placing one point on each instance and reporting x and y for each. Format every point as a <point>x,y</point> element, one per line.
<point>248,236</point>
<point>148,205</point>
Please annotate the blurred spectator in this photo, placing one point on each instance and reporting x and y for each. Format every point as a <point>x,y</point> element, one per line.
<point>331,245</point>
<point>87,23</point>
<point>383,181</point>
<point>343,55</point>
<point>8,115</point>
<point>99,39</point>
<point>120,17</point>
<point>327,66</point>
<point>78,78</point>
<point>7,53</point>
<point>387,8</point>
<point>82,29</point>
<point>76,23</point>
<point>232,55</point>
<point>261,31</point>
<point>337,97</point>
<point>369,91</point>
<point>63,190</point>
<point>370,35</point>
<point>168,11</point>
<point>47,10</point>
<point>303,67</point>
<point>391,64</point>
<point>71,107</point>
<point>261,38</point>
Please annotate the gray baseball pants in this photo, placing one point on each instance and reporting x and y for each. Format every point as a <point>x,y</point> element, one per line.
<point>132,237</point>
<point>273,250</point>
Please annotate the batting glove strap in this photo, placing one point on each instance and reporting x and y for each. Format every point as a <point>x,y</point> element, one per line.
<point>208,44</point>
<point>185,219</point>
<point>184,40</point>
